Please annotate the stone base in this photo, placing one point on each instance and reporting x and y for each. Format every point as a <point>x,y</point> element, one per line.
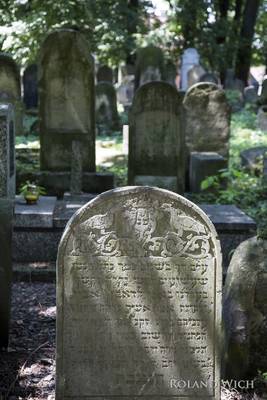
<point>81,198</point>
<point>57,183</point>
<point>37,241</point>
<point>203,165</point>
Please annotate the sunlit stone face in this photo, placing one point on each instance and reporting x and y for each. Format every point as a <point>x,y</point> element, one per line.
<point>138,299</point>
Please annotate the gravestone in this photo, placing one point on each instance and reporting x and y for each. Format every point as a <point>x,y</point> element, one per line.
<point>263,95</point>
<point>262,118</point>
<point>10,91</point>
<point>190,58</point>
<point>156,138</point>
<point>138,299</point>
<point>250,95</point>
<point>194,74</point>
<point>149,65</point>
<point>30,94</point>
<point>6,215</point>
<point>245,309</point>
<point>66,100</point>
<point>104,74</point>
<point>125,91</point>
<point>107,118</point>
<point>251,158</point>
<point>7,152</point>
<point>207,125</point>
<point>170,73</point>
<point>209,77</point>
<point>202,165</point>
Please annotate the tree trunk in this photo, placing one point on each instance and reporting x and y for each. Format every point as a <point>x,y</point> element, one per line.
<point>243,59</point>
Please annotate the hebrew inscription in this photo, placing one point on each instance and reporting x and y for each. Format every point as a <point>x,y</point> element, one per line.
<point>138,299</point>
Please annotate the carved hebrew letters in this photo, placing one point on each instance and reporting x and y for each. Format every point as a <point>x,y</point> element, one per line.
<point>138,282</point>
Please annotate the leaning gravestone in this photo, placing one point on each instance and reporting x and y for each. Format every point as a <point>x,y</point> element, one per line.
<point>10,91</point>
<point>30,94</point>
<point>207,125</point>
<point>149,65</point>
<point>139,299</point>
<point>156,138</point>
<point>66,96</point>
<point>190,58</point>
<point>107,118</point>
<point>104,74</point>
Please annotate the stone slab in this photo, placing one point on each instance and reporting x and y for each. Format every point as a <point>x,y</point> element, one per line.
<point>57,183</point>
<point>139,274</point>
<point>228,218</point>
<point>81,198</point>
<point>39,215</point>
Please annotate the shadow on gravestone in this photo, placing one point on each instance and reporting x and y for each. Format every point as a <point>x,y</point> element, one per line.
<point>66,100</point>
<point>139,299</point>
<point>156,137</point>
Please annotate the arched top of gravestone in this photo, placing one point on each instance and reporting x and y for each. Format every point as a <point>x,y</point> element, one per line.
<point>11,77</point>
<point>201,91</point>
<point>67,45</point>
<point>143,215</point>
<point>157,95</point>
<point>209,77</point>
<point>190,54</point>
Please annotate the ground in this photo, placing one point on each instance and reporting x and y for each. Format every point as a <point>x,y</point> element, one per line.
<point>27,369</point>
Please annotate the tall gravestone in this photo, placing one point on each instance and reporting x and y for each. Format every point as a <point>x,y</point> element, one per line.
<point>190,58</point>
<point>7,152</point>
<point>139,299</point>
<point>7,193</point>
<point>207,119</point>
<point>149,65</point>
<point>66,100</point>
<point>10,91</point>
<point>30,87</point>
<point>107,117</point>
<point>104,74</point>
<point>156,138</point>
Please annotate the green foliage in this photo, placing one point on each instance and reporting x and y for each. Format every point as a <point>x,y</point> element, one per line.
<point>32,188</point>
<point>105,23</point>
<point>236,185</point>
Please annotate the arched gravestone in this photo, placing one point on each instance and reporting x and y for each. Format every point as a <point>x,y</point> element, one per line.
<point>149,65</point>
<point>104,74</point>
<point>138,299</point>
<point>207,119</point>
<point>156,138</point>
<point>10,91</point>
<point>190,58</point>
<point>106,106</point>
<point>30,93</point>
<point>66,100</point>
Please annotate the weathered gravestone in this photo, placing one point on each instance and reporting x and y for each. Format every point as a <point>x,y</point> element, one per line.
<point>262,118</point>
<point>170,73</point>
<point>30,94</point>
<point>10,91</point>
<point>245,309</point>
<point>7,152</point>
<point>263,96</point>
<point>194,74</point>
<point>252,158</point>
<point>66,97</point>
<point>149,65</point>
<point>7,193</point>
<point>107,118</point>
<point>190,58</point>
<point>104,74</point>
<point>156,138</point>
<point>6,215</point>
<point>250,95</point>
<point>209,77</point>
<point>207,125</point>
<point>139,299</point>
